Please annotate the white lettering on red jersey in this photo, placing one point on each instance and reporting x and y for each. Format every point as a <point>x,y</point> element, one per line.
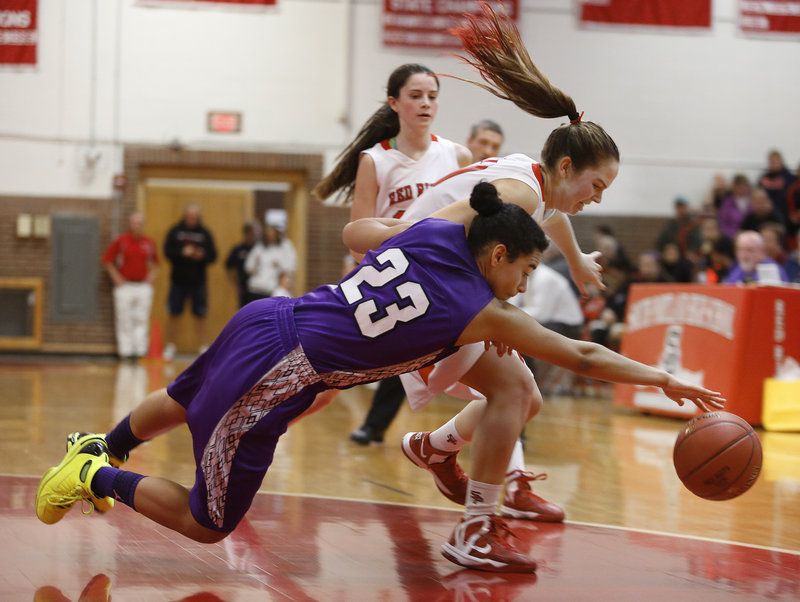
<point>401,179</point>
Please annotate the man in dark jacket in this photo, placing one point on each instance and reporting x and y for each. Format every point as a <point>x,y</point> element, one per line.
<point>190,249</point>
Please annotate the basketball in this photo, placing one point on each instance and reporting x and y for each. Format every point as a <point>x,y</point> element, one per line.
<point>717,455</point>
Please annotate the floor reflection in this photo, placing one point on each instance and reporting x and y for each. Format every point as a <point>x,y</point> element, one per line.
<point>340,522</point>
<point>310,548</point>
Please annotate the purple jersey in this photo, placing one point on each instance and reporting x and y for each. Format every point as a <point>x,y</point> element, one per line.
<point>409,299</point>
<point>403,308</point>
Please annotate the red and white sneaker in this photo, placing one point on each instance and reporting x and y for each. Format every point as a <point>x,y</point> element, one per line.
<point>482,542</point>
<point>448,475</point>
<point>520,502</point>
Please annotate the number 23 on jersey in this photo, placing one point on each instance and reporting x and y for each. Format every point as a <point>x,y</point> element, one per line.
<point>394,264</point>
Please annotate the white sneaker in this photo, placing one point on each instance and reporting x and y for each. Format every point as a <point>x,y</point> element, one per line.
<point>484,543</point>
<point>169,352</point>
<point>519,500</point>
<point>447,473</point>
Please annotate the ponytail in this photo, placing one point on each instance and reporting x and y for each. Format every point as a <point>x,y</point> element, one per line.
<point>484,199</point>
<point>496,50</point>
<point>383,124</point>
<point>504,223</point>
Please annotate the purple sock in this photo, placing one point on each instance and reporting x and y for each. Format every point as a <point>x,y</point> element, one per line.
<point>116,483</point>
<point>121,440</point>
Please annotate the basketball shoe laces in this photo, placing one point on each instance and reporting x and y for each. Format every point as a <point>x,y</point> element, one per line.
<point>66,500</point>
<point>523,479</point>
<point>494,529</point>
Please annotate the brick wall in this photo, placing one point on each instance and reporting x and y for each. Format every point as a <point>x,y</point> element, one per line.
<point>636,233</point>
<point>324,226</point>
<point>30,257</point>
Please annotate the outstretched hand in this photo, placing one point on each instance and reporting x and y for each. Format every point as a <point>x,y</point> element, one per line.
<point>680,391</point>
<point>589,271</point>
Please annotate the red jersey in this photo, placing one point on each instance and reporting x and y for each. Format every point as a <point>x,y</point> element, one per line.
<point>131,256</point>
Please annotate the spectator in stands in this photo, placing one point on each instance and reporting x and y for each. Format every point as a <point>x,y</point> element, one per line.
<point>775,181</point>
<point>607,331</point>
<point>190,248</point>
<point>132,263</point>
<point>712,233</point>
<point>721,261</point>
<point>613,252</point>
<point>234,264</point>
<point>592,306</point>
<point>750,254</point>
<point>774,235</point>
<point>551,300</point>
<point>485,140</point>
<point>735,206</point>
<point>272,255</point>
<point>650,269</point>
<point>793,209</point>
<point>285,286</point>
<point>618,269</point>
<point>555,259</point>
<point>710,265</point>
<point>597,321</point>
<point>678,267</point>
<point>792,265</point>
<point>720,188</point>
<point>761,211</point>
<point>683,229</point>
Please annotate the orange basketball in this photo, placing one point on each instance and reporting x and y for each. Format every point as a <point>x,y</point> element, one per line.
<point>717,455</point>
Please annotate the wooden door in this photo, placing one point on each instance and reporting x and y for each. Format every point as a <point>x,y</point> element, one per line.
<point>224,211</point>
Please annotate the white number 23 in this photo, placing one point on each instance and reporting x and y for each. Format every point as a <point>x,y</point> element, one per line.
<point>396,264</point>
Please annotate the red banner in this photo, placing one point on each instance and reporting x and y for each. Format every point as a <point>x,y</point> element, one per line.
<point>424,23</point>
<point>651,13</point>
<point>772,17</point>
<point>201,3</point>
<point>18,33</point>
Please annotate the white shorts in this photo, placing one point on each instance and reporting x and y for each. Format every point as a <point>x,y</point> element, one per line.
<point>443,377</point>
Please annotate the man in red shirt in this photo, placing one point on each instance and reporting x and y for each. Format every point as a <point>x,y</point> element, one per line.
<point>132,263</point>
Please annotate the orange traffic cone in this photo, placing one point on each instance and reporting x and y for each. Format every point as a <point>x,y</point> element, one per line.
<point>156,350</point>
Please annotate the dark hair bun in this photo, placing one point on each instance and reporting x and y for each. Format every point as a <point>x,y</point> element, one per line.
<point>484,199</point>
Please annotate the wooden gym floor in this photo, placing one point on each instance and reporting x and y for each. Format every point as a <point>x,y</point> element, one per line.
<point>341,522</point>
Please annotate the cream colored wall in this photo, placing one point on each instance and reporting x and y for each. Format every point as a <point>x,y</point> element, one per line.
<point>307,73</point>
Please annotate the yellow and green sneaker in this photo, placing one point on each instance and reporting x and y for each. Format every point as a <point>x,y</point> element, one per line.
<point>75,438</point>
<point>70,481</point>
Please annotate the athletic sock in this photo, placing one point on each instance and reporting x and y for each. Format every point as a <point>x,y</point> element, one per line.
<point>115,483</point>
<point>517,461</point>
<point>121,440</point>
<point>447,438</point>
<point>482,498</point>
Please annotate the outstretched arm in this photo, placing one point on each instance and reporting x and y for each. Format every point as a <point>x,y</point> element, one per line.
<point>500,321</point>
<point>583,266</point>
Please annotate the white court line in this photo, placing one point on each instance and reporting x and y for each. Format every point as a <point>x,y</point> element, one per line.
<point>454,510</point>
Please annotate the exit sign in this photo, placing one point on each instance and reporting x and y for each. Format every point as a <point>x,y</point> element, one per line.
<point>224,122</point>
